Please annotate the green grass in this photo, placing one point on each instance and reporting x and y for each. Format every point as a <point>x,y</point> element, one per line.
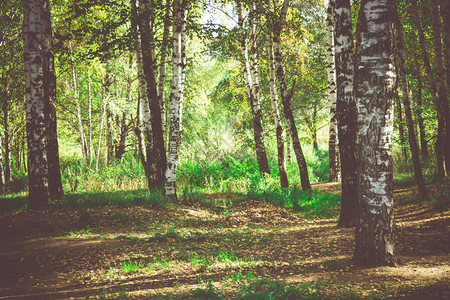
<point>117,198</point>
<point>308,203</point>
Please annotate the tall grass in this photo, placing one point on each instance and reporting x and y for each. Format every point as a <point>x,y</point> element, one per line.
<point>239,172</point>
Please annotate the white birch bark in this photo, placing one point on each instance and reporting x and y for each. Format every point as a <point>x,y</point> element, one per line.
<point>333,149</point>
<point>176,97</point>
<point>375,94</point>
<point>35,117</point>
<point>78,107</point>
<point>250,65</point>
<point>162,67</point>
<point>102,122</point>
<point>346,111</point>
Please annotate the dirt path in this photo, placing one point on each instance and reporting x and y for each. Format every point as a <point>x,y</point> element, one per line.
<point>57,253</point>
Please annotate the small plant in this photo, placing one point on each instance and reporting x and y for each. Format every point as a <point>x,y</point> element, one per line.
<point>80,233</point>
<point>131,267</point>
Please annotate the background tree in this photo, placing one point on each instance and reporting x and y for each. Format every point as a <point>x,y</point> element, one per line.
<point>346,111</point>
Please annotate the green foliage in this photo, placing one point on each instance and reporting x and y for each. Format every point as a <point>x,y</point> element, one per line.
<point>128,174</point>
<point>239,173</point>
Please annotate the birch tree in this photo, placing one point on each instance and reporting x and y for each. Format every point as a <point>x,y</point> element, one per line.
<point>286,97</point>
<point>176,97</point>
<point>284,182</point>
<point>346,111</point>
<point>35,106</point>
<point>156,155</point>
<point>374,83</point>
<point>250,65</point>
<point>333,149</point>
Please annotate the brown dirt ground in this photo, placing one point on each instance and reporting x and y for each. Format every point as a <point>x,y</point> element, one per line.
<point>69,253</point>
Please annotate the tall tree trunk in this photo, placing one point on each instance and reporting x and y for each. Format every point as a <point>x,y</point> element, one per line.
<point>440,81</point>
<point>374,83</point>
<point>176,96</point>
<point>138,130</point>
<point>346,112</point>
<point>120,146</point>
<point>109,136</point>
<point>156,156</point>
<point>439,146</point>
<point>7,157</point>
<point>423,139</point>
<point>288,146</point>
<point>445,12</point>
<point>55,189</point>
<point>79,118</point>
<point>100,131</point>
<point>162,63</point>
<point>35,111</point>
<point>250,64</point>
<point>89,126</point>
<point>2,177</point>
<point>333,145</point>
<point>401,130</point>
<point>284,183</point>
<point>286,98</point>
<point>406,103</point>
<point>143,125</point>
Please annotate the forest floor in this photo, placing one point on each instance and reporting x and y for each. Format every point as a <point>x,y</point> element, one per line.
<point>196,250</point>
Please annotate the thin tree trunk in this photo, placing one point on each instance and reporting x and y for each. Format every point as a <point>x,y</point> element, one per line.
<point>333,145</point>
<point>346,112</point>
<point>286,98</point>
<point>445,12</point>
<point>54,171</point>
<point>284,182</point>
<point>439,146</point>
<point>156,156</point>
<point>143,124</point>
<point>109,136</point>
<point>2,177</point>
<point>251,76</point>
<point>7,158</point>
<point>100,134</point>
<point>79,118</point>
<point>139,136</point>
<point>176,96</point>
<point>120,146</point>
<point>288,146</point>
<point>440,81</point>
<point>89,141</point>
<point>401,130</point>
<point>406,103</point>
<point>374,85</point>
<point>423,139</point>
<point>162,66</point>
<point>35,112</point>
